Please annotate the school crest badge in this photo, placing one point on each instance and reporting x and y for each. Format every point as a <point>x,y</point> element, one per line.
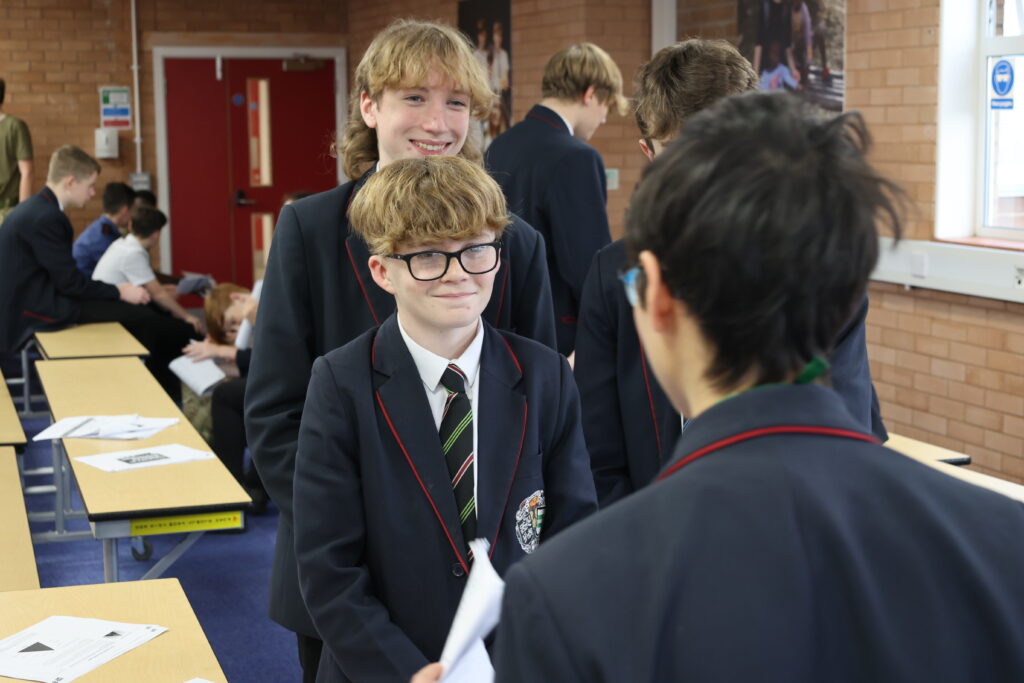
<point>529,520</point>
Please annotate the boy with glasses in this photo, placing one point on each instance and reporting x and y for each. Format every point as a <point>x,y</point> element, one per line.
<point>428,432</point>
<point>417,88</point>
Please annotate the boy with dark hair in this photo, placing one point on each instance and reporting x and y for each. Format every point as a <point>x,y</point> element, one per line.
<point>128,260</point>
<point>418,88</point>
<point>555,179</point>
<point>118,199</point>
<point>16,161</point>
<point>781,543</point>
<point>627,419</point>
<point>428,432</point>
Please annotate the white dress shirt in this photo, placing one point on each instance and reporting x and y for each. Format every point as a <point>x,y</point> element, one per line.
<point>431,366</point>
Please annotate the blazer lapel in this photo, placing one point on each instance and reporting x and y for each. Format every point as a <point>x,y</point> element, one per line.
<point>402,400</point>
<point>356,257</point>
<point>503,413</point>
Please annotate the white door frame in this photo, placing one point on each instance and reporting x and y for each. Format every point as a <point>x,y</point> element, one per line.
<point>217,53</point>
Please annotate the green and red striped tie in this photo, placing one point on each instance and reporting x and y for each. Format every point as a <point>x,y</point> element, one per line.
<point>456,434</point>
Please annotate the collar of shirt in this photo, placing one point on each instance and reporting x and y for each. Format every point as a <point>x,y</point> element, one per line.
<point>431,366</point>
<point>566,122</point>
<point>131,240</point>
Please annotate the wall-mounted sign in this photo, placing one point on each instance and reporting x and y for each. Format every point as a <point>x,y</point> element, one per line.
<point>1002,85</point>
<point>115,107</point>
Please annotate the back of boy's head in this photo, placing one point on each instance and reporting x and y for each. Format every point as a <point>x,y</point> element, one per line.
<point>573,69</point>
<point>763,218</point>
<point>147,220</point>
<point>427,200</point>
<point>116,196</point>
<point>682,79</point>
<point>146,197</point>
<point>402,56</point>
<point>216,304</point>
<point>68,160</point>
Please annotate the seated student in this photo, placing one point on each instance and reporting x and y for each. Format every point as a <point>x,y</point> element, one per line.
<point>225,307</point>
<point>105,230</point>
<point>417,89</point>
<point>41,288</point>
<point>781,542</point>
<point>127,260</point>
<point>629,424</point>
<point>427,432</point>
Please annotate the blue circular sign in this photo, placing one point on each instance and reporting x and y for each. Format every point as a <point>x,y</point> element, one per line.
<point>1002,77</point>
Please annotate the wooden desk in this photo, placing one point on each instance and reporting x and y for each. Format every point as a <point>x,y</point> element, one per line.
<point>95,340</point>
<point>180,654</point>
<point>926,451</point>
<point>189,497</point>
<point>18,567</point>
<point>11,433</point>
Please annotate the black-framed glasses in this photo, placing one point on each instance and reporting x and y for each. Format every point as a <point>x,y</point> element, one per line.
<point>476,259</point>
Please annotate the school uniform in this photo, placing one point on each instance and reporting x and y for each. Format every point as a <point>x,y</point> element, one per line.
<point>382,557</point>
<point>630,426</point>
<point>557,183</point>
<point>318,295</point>
<point>42,288</point>
<point>763,554</point>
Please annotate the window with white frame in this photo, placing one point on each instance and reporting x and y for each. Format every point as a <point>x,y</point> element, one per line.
<point>1000,208</point>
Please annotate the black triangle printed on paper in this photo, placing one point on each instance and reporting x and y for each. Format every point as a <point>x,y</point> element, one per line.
<point>113,634</point>
<point>37,647</point>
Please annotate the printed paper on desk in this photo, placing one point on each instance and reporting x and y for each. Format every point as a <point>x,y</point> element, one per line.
<point>477,615</point>
<point>61,649</point>
<point>105,427</point>
<point>169,454</point>
<point>200,376</point>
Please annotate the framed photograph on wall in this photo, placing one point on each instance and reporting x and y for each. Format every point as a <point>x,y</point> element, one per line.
<point>488,25</point>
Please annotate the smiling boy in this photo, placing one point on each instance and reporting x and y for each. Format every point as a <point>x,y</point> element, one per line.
<point>427,432</point>
<point>418,86</point>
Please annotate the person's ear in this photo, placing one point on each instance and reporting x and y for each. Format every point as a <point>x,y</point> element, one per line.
<point>648,152</point>
<point>379,271</point>
<point>657,299</point>
<point>589,96</point>
<point>368,108</point>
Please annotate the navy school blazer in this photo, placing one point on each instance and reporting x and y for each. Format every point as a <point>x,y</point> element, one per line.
<point>557,183</point>
<point>780,557</point>
<point>630,426</point>
<point>380,550</point>
<point>40,286</point>
<point>317,296</point>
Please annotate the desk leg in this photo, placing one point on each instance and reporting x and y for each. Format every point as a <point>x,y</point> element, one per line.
<point>157,570</point>
<point>58,481</point>
<point>110,574</point>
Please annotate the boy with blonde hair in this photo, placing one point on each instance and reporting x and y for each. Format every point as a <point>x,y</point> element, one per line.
<point>428,432</point>
<point>417,88</point>
<point>555,179</point>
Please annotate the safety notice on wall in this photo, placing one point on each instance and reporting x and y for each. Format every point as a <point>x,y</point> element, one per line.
<point>1002,85</point>
<point>115,107</point>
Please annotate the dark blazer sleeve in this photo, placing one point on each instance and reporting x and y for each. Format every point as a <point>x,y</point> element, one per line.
<point>533,314</point>
<point>330,538</point>
<point>568,483</point>
<point>576,203</point>
<point>50,241</point>
<point>529,645</point>
<point>243,357</point>
<point>851,374</point>
<point>281,361</point>
<point>595,370</point>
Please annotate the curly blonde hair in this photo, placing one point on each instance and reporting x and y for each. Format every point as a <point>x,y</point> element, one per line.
<point>402,56</point>
<point>419,201</point>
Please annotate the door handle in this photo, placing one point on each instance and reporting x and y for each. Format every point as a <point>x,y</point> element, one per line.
<point>241,200</point>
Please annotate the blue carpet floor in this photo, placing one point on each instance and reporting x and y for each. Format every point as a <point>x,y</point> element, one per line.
<point>225,576</point>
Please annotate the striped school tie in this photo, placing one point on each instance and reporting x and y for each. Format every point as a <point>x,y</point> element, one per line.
<point>456,434</point>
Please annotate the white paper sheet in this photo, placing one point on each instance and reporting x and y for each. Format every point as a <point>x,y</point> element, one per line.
<point>154,456</point>
<point>200,376</point>
<point>198,680</point>
<point>464,657</point>
<point>105,427</point>
<point>61,649</point>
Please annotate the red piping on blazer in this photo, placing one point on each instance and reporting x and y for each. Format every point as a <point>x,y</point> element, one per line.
<point>764,431</point>
<point>355,271</point>
<point>650,398</point>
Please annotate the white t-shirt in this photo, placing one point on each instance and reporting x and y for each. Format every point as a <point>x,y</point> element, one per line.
<point>126,260</point>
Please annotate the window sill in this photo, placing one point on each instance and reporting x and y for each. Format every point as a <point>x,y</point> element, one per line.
<point>989,242</point>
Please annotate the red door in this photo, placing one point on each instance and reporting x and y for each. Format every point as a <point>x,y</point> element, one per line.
<point>236,147</point>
